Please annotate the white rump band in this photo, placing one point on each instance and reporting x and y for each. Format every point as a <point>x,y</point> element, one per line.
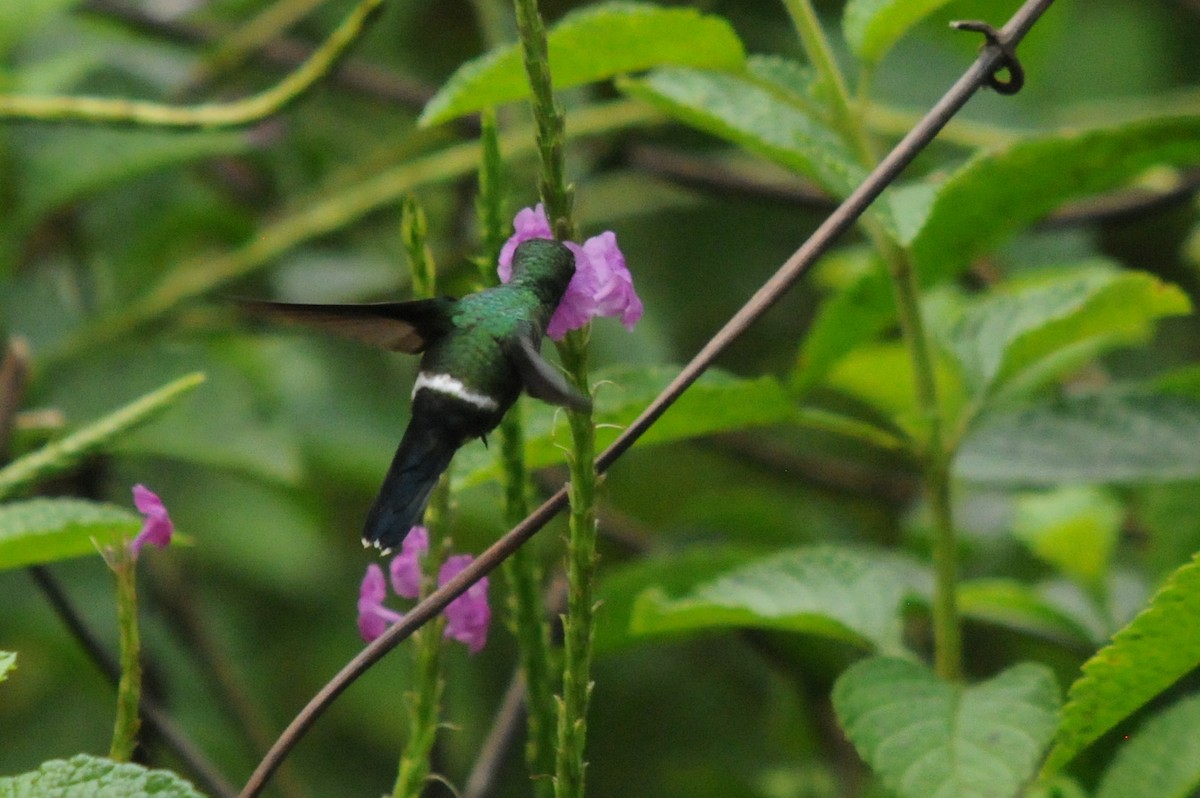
<point>444,383</point>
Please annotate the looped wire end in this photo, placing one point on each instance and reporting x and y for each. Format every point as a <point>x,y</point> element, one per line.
<point>1008,57</point>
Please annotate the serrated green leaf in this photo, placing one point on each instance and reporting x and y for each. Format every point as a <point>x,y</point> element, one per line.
<point>927,738</point>
<point>871,27</point>
<point>794,80</point>
<point>84,776</point>
<point>1161,759</point>
<point>846,594</point>
<point>717,402</point>
<point>1108,437</point>
<point>742,110</point>
<point>592,44</point>
<point>1016,605</point>
<point>63,454</point>
<point>44,530</point>
<point>676,572</point>
<point>67,163</point>
<point>1145,657</point>
<point>1074,528</point>
<point>1026,334</point>
<point>999,193</point>
<point>880,376</point>
<point>8,661</point>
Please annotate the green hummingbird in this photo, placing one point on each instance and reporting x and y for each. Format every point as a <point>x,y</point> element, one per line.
<point>479,352</point>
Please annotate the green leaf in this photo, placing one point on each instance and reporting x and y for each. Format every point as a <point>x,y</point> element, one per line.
<point>66,164</point>
<point>62,455</point>
<point>927,738</point>
<point>1074,528</point>
<point>1028,333</point>
<point>1015,605</point>
<point>859,374</point>
<point>1145,657</point>
<point>44,530</point>
<point>997,194</point>
<point>716,402</point>
<point>742,110</point>
<point>1161,760</point>
<point>1117,436</point>
<point>845,594</point>
<point>588,45</point>
<point>8,661</point>
<point>676,572</point>
<point>794,80</point>
<point>859,310</point>
<point>871,27</point>
<point>84,776</point>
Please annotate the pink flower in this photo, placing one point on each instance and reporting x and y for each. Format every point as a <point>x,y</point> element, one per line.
<point>601,286</point>
<point>157,527</point>
<point>406,566</point>
<point>528,223</point>
<point>467,617</point>
<point>373,617</point>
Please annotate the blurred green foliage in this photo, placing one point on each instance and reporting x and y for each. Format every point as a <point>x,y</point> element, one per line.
<point>120,248</point>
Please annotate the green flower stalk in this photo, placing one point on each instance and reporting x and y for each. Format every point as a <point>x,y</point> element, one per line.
<point>129,688</point>
<point>600,287</point>
<point>156,530</point>
<point>521,570</point>
<point>424,702</point>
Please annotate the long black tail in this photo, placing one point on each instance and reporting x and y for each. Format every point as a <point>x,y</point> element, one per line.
<point>421,458</point>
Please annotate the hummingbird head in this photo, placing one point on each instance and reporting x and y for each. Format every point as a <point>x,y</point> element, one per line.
<point>544,265</point>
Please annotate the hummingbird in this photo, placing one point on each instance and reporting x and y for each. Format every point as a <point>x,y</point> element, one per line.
<point>477,354</point>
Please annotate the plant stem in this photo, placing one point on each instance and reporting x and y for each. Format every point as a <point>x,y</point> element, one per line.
<point>109,111</point>
<point>521,571</point>
<point>820,55</point>
<point>524,577</point>
<point>557,195</point>
<point>425,699</point>
<point>581,566</point>
<point>129,688</point>
<point>581,542</point>
<point>935,459</point>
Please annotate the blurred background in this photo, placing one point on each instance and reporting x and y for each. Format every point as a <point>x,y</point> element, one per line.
<point>270,466</point>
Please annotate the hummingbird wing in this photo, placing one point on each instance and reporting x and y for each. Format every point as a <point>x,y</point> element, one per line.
<point>395,326</point>
<point>541,379</point>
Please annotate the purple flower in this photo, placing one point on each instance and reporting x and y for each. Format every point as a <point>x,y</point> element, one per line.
<point>157,527</point>
<point>601,286</point>
<point>528,223</point>
<point>406,566</point>
<point>467,617</point>
<point>373,617</point>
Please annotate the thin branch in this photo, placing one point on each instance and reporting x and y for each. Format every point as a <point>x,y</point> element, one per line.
<point>14,373</point>
<point>351,73</point>
<point>111,110</point>
<point>788,274</point>
<point>505,728</point>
